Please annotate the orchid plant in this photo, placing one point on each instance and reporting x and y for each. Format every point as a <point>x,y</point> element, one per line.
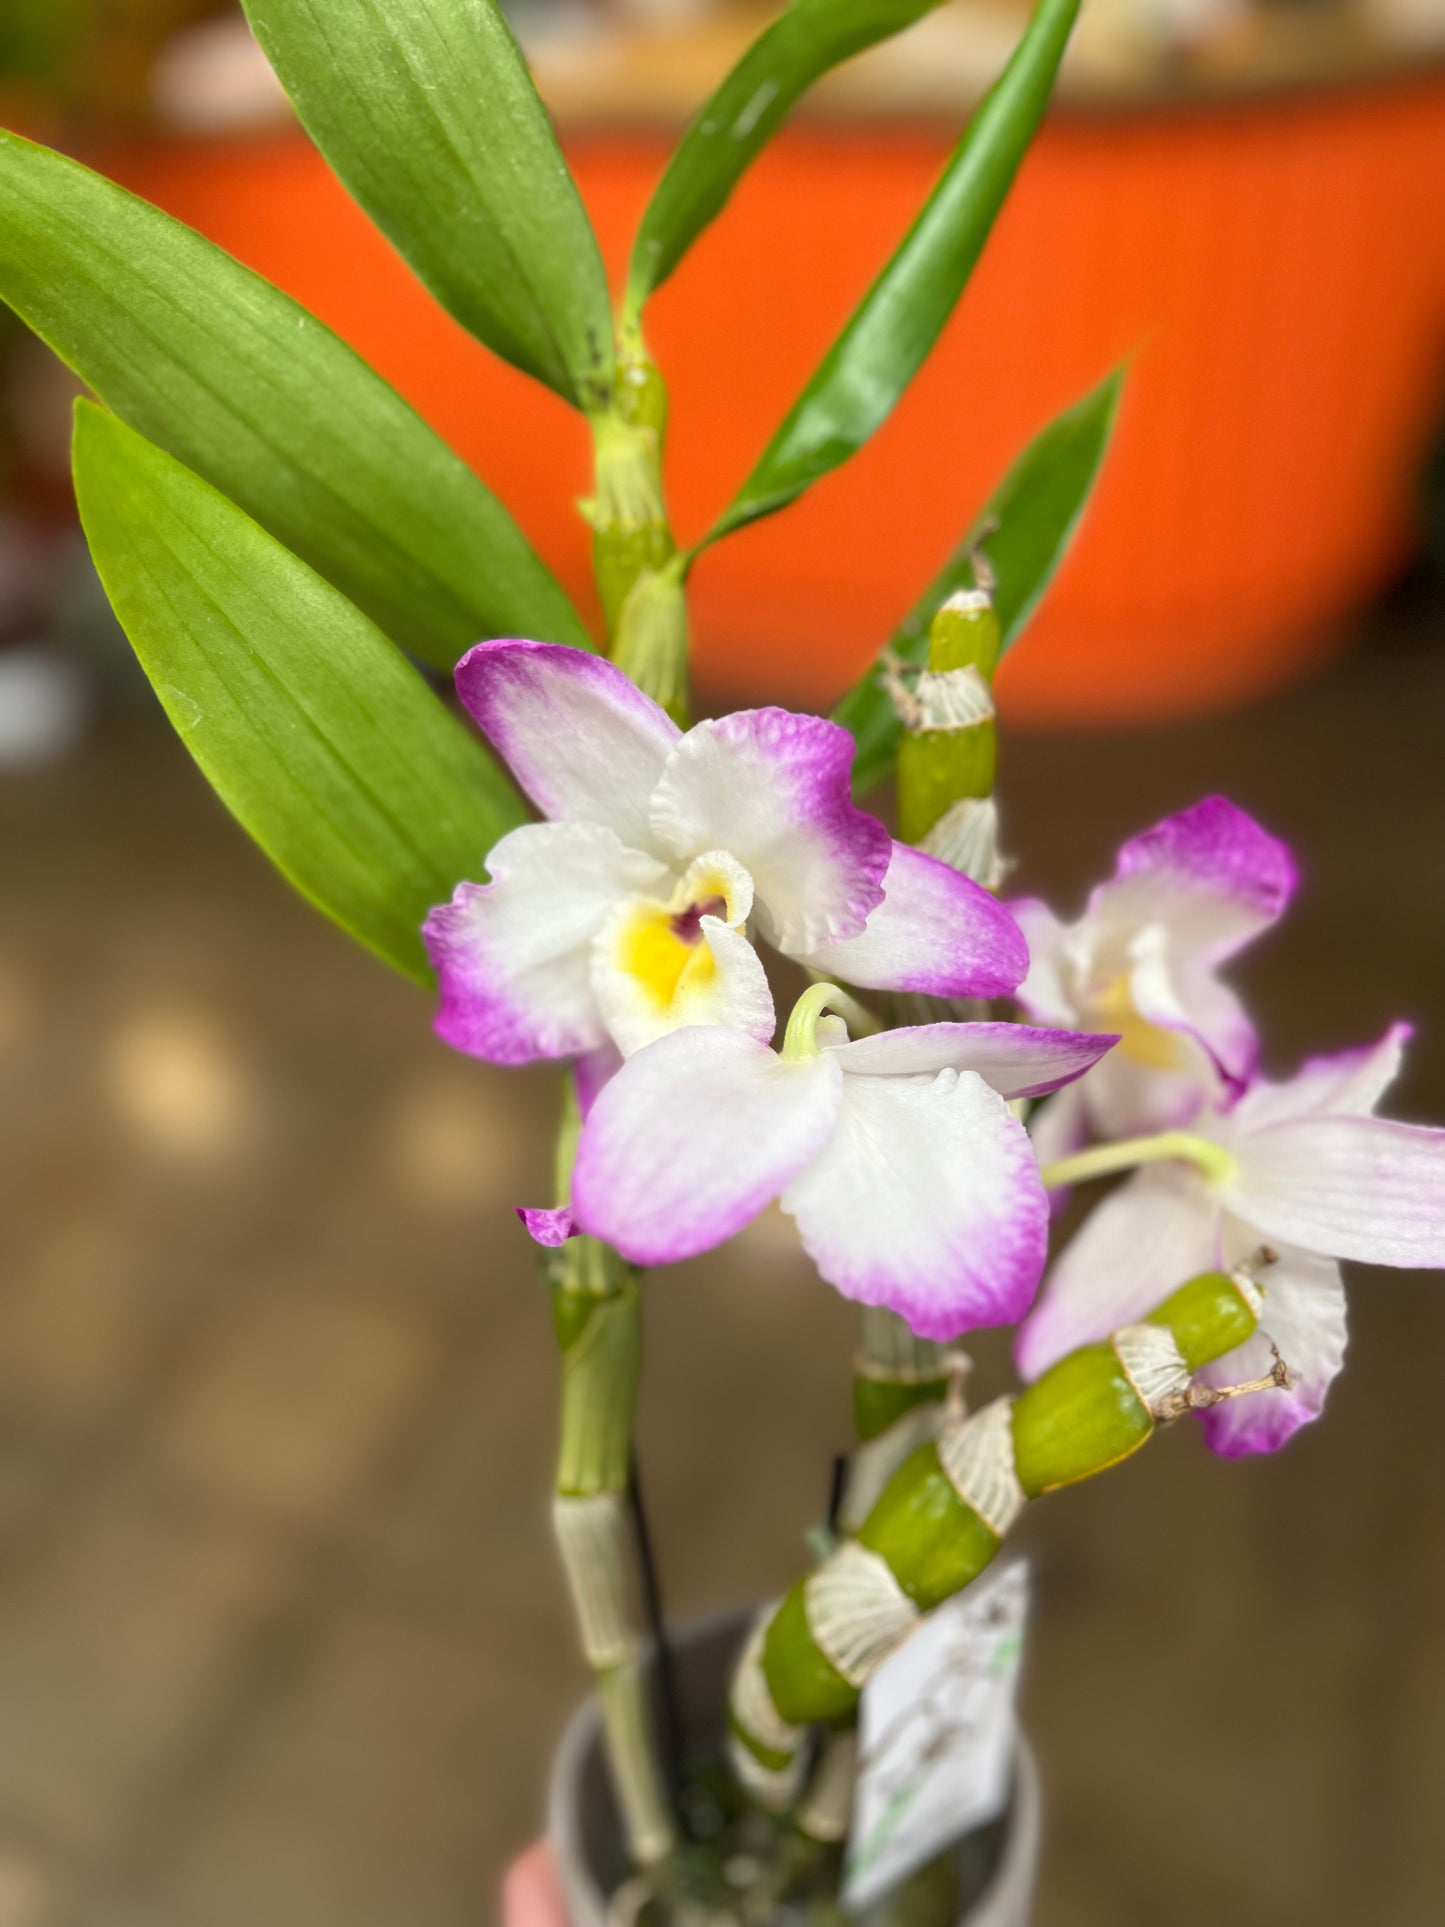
<point>291,551</point>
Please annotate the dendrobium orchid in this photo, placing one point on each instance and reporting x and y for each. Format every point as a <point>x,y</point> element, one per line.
<point>1185,897</point>
<point>1302,1167</point>
<point>627,914</point>
<point>910,1180</point>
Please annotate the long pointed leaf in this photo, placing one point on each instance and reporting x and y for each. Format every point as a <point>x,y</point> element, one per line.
<point>890,333</point>
<point>315,732</point>
<point>1027,525</point>
<point>426,110</point>
<point>241,383</point>
<point>741,117</point>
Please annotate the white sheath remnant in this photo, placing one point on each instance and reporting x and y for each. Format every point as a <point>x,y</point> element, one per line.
<point>857,1611</point>
<point>591,1533</point>
<point>978,1459</point>
<point>1249,1289</point>
<point>874,1464</point>
<point>965,837</point>
<point>752,1703</point>
<point>828,1808</point>
<point>951,699</point>
<point>1151,1362</point>
<point>775,1788</point>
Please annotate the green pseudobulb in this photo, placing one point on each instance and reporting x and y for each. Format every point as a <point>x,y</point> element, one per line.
<point>933,1541</point>
<point>1080,1417</point>
<point>939,767</point>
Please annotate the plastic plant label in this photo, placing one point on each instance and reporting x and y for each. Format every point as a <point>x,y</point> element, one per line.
<point>936,1732</point>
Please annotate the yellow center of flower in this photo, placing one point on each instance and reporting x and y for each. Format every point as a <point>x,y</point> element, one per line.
<point>1146,1043</point>
<point>661,945</point>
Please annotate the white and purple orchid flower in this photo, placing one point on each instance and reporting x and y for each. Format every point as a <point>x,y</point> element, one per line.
<point>910,1180</point>
<point>1303,1167</point>
<point>627,914</point>
<point>1184,898</point>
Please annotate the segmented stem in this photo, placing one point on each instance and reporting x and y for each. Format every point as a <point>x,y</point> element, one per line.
<point>899,1384</point>
<point>597,1309</point>
<point>947,1509</point>
<point>640,574</point>
<point>596,1296</point>
<point>948,752</point>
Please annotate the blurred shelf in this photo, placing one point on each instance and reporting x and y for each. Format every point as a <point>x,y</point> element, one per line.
<point>611,72</point>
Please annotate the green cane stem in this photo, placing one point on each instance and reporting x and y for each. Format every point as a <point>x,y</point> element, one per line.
<point>947,1509</point>
<point>899,1384</point>
<point>596,1295</point>
<point>640,575</point>
<point>898,1378</point>
<point>948,753</point>
<point>597,1310</point>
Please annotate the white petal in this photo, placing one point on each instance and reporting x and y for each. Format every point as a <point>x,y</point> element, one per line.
<point>1130,1098</point>
<point>584,742</point>
<point>513,957</point>
<point>773,788</point>
<point>1349,1187</point>
<point>927,1199</point>
<point>1157,1230</point>
<point>693,1137</point>
<point>1304,1315</point>
<point>1014,1059</point>
<point>1170,1063</point>
<point>934,932</point>
<point>1044,992</point>
<point>1195,1019</point>
<point>1210,874</point>
<point>1349,1083</point>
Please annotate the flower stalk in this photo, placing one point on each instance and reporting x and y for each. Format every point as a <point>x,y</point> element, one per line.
<point>1103,1160</point>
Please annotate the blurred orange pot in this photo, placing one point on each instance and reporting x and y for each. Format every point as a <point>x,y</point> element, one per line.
<point>1276,271</point>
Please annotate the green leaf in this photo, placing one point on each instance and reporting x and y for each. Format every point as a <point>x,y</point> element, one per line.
<point>742,116</point>
<point>890,333</point>
<point>426,110</point>
<point>1026,526</point>
<point>315,732</point>
<point>238,381</point>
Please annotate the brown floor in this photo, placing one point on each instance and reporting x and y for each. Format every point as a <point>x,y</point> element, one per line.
<point>280,1634</point>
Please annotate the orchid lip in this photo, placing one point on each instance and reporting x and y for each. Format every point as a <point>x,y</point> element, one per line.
<point>686,924</point>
